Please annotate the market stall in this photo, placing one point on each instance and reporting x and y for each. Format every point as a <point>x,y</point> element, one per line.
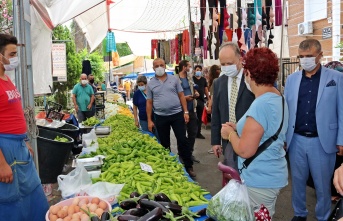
<point>127,156</point>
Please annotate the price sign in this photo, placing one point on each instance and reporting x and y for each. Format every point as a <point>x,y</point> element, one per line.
<point>59,62</point>
<point>146,167</point>
<point>326,33</point>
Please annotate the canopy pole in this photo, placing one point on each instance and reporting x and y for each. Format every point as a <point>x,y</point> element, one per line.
<point>282,39</point>
<point>24,74</point>
<point>190,33</point>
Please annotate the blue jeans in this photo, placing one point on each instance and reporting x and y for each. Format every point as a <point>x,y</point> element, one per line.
<point>144,127</point>
<point>25,191</point>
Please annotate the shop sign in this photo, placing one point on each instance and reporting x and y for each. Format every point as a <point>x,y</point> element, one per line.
<point>327,33</point>
<point>59,62</point>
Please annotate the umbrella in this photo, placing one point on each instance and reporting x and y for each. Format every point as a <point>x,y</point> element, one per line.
<point>130,76</point>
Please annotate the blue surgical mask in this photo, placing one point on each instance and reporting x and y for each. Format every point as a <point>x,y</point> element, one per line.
<point>141,88</point>
<point>198,73</point>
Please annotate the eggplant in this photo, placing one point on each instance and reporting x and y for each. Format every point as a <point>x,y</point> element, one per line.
<point>201,212</point>
<point>175,202</point>
<point>162,197</point>
<point>127,218</point>
<point>175,208</point>
<point>150,205</point>
<point>128,204</point>
<point>95,218</point>
<point>136,212</point>
<point>229,170</point>
<point>105,216</point>
<point>134,194</point>
<point>154,215</point>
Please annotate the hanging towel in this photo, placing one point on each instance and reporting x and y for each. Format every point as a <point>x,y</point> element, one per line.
<point>278,13</point>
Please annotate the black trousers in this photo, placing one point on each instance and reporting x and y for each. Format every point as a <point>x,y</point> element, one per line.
<point>192,129</point>
<point>200,109</point>
<point>177,122</point>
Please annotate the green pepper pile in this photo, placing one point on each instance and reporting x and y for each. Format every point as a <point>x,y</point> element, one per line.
<point>126,147</point>
<point>91,121</point>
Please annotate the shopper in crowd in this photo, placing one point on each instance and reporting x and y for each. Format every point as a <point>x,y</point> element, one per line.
<point>83,99</point>
<point>213,74</point>
<point>315,99</point>
<point>202,89</point>
<point>267,173</point>
<point>103,86</point>
<point>139,105</point>
<point>127,87</point>
<point>184,75</point>
<point>21,193</point>
<point>95,90</point>
<point>165,95</point>
<point>231,99</point>
<point>205,74</point>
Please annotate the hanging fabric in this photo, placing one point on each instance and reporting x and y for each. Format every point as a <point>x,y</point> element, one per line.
<point>278,13</point>
<point>166,52</point>
<point>86,67</point>
<point>154,43</point>
<point>180,49</point>
<point>185,42</point>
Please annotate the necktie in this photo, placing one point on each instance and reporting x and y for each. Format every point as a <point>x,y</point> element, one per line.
<point>233,100</point>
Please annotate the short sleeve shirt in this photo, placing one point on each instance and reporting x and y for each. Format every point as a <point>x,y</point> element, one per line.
<point>165,95</point>
<point>139,101</point>
<point>187,91</point>
<point>83,95</point>
<point>271,164</point>
<point>202,83</point>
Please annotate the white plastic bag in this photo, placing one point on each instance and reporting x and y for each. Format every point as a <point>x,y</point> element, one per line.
<point>74,182</point>
<point>89,140</point>
<point>231,203</point>
<point>104,190</point>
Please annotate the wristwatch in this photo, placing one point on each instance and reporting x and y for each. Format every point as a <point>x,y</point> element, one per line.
<point>186,112</point>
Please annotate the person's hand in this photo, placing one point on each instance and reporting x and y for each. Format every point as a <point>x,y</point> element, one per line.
<point>196,94</point>
<point>6,174</point>
<point>28,145</point>
<point>232,125</point>
<point>186,116</point>
<point>340,150</point>
<point>151,125</point>
<point>226,130</point>
<point>189,98</point>
<point>209,110</point>
<point>217,150</point>
<point>338,179</point>
<point>136,123</point>
<point>89,106</point>
<point>76,108</point>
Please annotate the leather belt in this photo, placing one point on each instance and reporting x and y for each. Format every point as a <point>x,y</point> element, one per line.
<point>307,134</point>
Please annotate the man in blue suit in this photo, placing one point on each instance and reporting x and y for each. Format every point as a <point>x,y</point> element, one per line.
<point>315,128</point>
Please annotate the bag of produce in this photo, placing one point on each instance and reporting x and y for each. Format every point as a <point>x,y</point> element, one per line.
<point>105,190</point>
<point>75,181</point>
<point>231,203</point>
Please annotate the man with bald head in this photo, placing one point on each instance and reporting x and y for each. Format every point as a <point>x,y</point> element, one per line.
<point>83,99</point>
<point>165,96</point>
<point>231,99</point>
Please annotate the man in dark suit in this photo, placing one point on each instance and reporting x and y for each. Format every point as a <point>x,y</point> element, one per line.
<point>231,99</point>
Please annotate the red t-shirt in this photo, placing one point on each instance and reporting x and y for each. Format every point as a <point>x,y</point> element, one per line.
<point>12,120</point>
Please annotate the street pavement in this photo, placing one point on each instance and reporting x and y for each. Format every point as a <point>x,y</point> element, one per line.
<point>209,177</point>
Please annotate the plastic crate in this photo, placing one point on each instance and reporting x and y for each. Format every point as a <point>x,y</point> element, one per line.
<point>54,115</point>
<point>53,106</point>
<point>99,99</point>
<point>100,112</point>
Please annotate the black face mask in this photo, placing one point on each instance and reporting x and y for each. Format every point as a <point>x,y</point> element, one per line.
<point>91,81</point>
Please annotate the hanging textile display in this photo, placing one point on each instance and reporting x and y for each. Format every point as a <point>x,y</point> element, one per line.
<point>177,52</point>
<point>154,43</point>
<point>278,13</point>
<point>185,43</point>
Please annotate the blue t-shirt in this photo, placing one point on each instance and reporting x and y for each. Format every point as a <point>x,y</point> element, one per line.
<point>140,101</point>
<point>187,91</point>
<point>269,169</point>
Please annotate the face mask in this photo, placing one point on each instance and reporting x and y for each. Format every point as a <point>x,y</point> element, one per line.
<point>247,84</point>
<point>142,88</point>
<point>198,73</point>
<point>84,82</point>
<point>14,62</point>
<point>91,81</point>
<point>230,70</point>
<point>159,71</point>
<point>308,64</point>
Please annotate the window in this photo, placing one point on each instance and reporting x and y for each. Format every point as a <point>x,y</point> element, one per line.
<point>315,10</point>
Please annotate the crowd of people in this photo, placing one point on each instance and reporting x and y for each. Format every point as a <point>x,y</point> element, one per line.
<point>253,125</point>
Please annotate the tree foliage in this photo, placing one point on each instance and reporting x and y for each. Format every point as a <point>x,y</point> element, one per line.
<point>6,16</point>
<point>123,49</point>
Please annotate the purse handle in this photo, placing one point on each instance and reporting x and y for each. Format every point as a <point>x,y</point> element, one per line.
<point>266,143</point>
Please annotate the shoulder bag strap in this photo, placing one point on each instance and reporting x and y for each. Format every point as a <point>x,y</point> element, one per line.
<point>266,143</point>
